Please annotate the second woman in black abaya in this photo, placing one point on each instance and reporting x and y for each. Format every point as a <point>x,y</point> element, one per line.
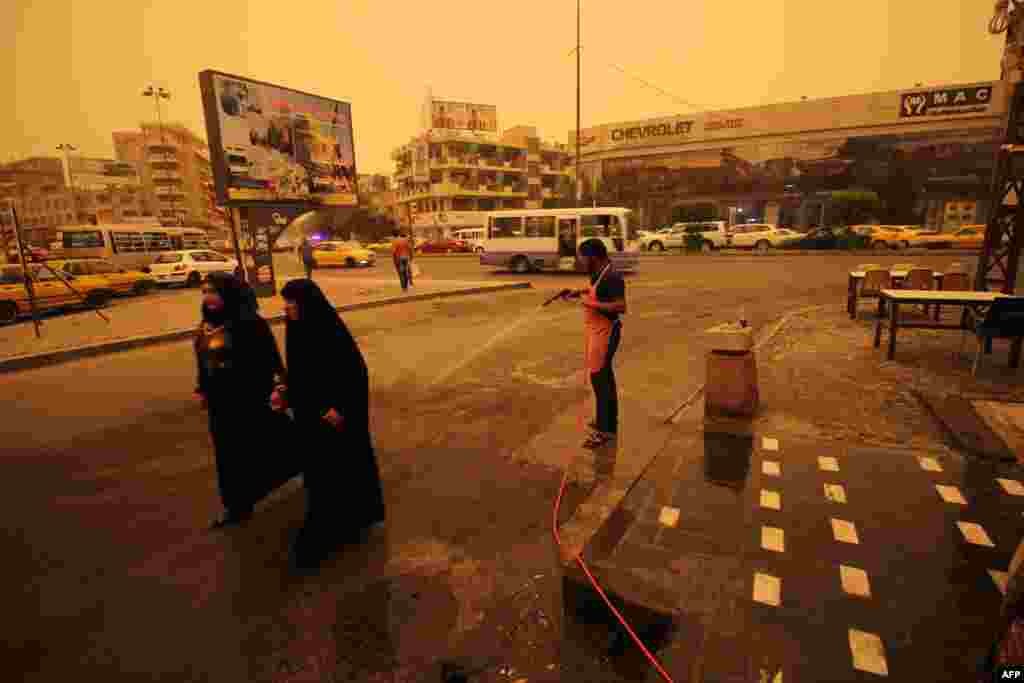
<point>329,392</point>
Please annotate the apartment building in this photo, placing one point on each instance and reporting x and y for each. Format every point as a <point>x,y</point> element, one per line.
<point>175,173</point>
<point>446,179</point>
<point>40,195</point>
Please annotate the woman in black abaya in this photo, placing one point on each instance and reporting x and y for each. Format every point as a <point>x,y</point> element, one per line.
<point>328,390</point>
<point>239,366</point>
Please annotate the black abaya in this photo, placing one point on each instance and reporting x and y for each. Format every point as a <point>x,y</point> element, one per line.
<point>326,371</point>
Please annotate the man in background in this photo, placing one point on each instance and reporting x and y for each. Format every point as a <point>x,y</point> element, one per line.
<point>307,257</point>
<point>401,254</point>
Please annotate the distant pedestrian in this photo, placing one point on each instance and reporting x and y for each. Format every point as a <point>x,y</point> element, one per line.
<point>307,257</point>
<point>238,367</point>
<point>604,301</point>
<point>328,389</point>
<point>401,254</point>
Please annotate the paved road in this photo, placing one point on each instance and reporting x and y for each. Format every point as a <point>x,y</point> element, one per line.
<point>109,574</point>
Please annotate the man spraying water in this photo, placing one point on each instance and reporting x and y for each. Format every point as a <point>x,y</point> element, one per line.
<point>603,304</point>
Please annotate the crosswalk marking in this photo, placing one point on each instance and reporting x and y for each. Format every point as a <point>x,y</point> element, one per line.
<point>770,444</point>
<point>770,468</point>
<point>773,539</point>
<point>930,464</point>
<point>950,494</point>
<point>669,516</point>
<point>1012,486</point>
<point>771,500</point>
<point>828,464</point>
<point>1000,579</point>
<point>835,493</point>
<point>855,581</point>
<point>844,531</point>
<point>868,652</point>
<point>974,533</point>
<point>767,589</point>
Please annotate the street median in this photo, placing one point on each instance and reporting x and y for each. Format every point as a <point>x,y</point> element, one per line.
<point>135,323</point>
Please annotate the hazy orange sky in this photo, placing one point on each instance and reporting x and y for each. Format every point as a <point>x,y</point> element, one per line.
<point>73,71</point>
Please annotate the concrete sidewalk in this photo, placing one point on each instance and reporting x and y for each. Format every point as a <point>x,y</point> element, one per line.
<point>167,317</point>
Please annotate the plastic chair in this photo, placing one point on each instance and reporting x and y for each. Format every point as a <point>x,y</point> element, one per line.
<point>919,278</point>
<point>1004,320</point>
<point>953,281</point>
<point>874,282</point>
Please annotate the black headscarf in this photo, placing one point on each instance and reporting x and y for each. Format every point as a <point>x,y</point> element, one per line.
<point>239,303</point>
<point>325,367</point>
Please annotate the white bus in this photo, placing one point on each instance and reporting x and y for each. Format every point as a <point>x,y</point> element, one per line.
<point>128,245</point>
<point>474,237</point>
<point>547,239</point>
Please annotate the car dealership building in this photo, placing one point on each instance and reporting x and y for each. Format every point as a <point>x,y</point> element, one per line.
<point>921,156</point>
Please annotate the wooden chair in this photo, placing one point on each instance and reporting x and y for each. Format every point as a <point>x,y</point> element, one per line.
<point>1004,320</point>
<point>903,266</point>
<point>865,267</point>
<point>954,281</point>
<point>874,282</point>
<point>919,278</point>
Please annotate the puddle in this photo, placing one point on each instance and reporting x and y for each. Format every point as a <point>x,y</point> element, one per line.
<point>727,459</point>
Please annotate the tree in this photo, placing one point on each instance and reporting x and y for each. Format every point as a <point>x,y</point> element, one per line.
<point>854,207</point>
<point>695,213</point>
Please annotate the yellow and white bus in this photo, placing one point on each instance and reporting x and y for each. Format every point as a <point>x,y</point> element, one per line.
<point>127,245</point>
<point>548,239</point>
<point>474,237</point>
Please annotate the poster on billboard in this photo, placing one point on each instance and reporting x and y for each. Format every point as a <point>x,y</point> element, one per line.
<point>277,145</point>
<point>101,173</point>
<point>263,225</point>
<point>463,116</point>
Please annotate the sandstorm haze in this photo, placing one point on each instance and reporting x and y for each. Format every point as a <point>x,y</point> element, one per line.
<point>75,71</point>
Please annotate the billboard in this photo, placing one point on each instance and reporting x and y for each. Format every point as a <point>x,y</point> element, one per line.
<point>463,116</point>
<point>272,144</point>
<point>974,100</point>
<point>102,173</point>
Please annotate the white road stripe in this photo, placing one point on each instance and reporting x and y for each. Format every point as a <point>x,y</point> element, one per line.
<point>767,589</point>
<point>974,533</point>
<point>769,444</point>
<point>868,652</point>
<point>773,538</point>
<point>1000,579</point>
<point>835,493</point>
<point>855,581</point>
<point>771,500</point>
<point>930,464</point>
<point>950,494</point>
<point>1012,486</point>
<point>669,516</point>
<point>844,532</point>
<point>770,468</point>
<point>828,464</point>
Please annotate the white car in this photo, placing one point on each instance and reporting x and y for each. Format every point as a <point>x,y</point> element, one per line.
<point>188,268</point>
<point>666,238</point>
<point>713,234</point>
<point>759,236</point>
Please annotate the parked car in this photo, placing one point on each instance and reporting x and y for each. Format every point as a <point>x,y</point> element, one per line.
<point>379,247</point>
<point>444,246</point>
<point>967,237</point>
<point>888,236</point>
<point>188,268</point>
<point>34,254</point>
<point>759,236</point>
<point>666,238</point>
<point>106,275</point>
<point>49,290</point>
<point>349,254</point>
<point>714,234</point>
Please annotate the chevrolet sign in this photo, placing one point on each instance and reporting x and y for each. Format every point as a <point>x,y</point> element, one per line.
<point>678,129</point>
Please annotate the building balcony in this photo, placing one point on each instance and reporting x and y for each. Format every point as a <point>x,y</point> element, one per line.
<point>165,176</point>
<point>170,195</point>
<point>163,147</point>
<point>163,163</point>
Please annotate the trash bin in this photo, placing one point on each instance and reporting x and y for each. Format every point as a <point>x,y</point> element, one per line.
<point>731,393</point>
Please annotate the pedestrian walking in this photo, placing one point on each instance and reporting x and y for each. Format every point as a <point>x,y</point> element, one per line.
<point>603,304</point>
<point>238,368</point>
<point>328,390</point>
<point>401,254</point>
<point>307,257</point>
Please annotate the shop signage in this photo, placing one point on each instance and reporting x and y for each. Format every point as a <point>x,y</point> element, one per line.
<point>944,102</point>
<point>677,129</point>
<point>723,125</point>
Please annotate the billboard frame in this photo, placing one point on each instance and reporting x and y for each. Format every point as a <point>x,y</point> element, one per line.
<point>216,146</point>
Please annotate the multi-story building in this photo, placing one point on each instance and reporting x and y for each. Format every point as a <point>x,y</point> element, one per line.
<point>446,179</point>
<point>40,196</point>
<point>175,172</point>
<point>921,156</point>
<point>106,190</point>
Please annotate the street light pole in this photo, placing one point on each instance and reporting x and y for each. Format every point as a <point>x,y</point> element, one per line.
<point>67,150</point>
<point>579,179</point>
<point>157,94</point>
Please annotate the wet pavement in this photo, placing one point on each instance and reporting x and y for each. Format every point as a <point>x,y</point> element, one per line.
<point>826,562</point>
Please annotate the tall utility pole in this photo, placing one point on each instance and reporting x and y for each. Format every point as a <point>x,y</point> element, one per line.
<point>579,179</point>
<point>67,150</point>
<point>998,261</point>
<point>157,94</point>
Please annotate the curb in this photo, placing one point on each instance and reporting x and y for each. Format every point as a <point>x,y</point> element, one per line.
<point>818,252</point>
<point>57,356</point>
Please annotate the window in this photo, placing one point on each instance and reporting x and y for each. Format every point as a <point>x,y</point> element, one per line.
<point>600,226</point>
<point>11,276</point>
<point>540,226</point>
<point>506,226</point>
<point>127,242</point>
<point>199,257</point>
<point>101,267</point>
<point>211,256</point>
<point>82,239</point>
<point>168,258</point>
<point>157,241</point>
